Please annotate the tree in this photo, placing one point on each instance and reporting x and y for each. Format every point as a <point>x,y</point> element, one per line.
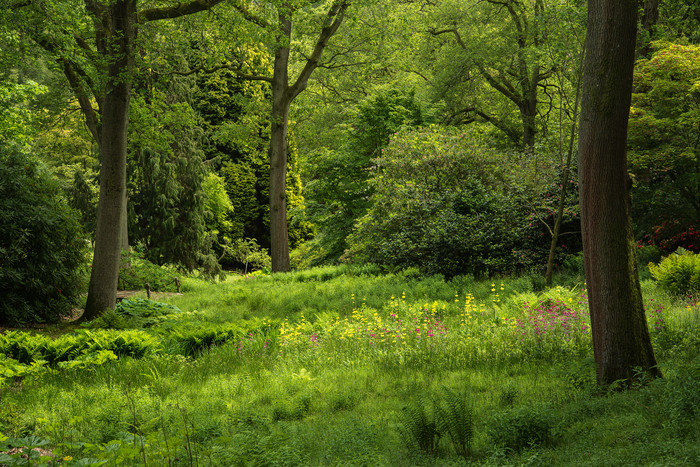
<point>498,59</point>
<point>282,96</point>
<point>278,33</point>
<point>95,45</point>
<point>621,341</point>
<point>236,118</point>
<point>166,174</point>
<point>339,192</point>
<point>664,141</point>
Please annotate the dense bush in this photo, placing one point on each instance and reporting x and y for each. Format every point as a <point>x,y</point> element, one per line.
<point>42,248</point>
<point>338,192</point>
<point>446,203</point>
<point>520,428</point>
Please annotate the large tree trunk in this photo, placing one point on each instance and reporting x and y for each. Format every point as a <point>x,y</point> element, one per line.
<point>113,137</point>
<point>281,99</point>
<point>621,340</point>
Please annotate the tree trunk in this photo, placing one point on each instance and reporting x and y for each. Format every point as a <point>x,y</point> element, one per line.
<point>281,99</point>
<point>119,42</point>
<point>621,340</point>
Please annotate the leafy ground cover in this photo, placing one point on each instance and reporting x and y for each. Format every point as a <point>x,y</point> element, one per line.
<point>347,366</point>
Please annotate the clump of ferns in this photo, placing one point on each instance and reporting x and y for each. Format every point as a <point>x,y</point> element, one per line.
<point>454,414</point>
<point>418,427</point>
<point>424,424</point>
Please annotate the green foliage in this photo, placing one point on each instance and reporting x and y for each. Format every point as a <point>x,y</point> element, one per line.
<point>27,349</point>
<point>338,193</point>
<point>440,204</point>
<point>17,122</point>
<point>135,272</point>
<point>325,389</point>
<point>419,428</point>
<point>663,156</point>
<point>192,341</point>
<point>247,252</point>
<point>236,120</point>
<point>83,196</point>
<point>137,313</point>
<point>454,416</point>
<point>447,416</point>
<point>520,428</point>
<point>219,204</point>
<point>13,371</point>
<point>678,273</point>
<point>248,207</point>
<point>682,396</point>
<point>168,213</point>
<point>42,248</point>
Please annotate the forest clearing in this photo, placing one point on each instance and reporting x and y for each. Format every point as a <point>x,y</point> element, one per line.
<point>349,232</point>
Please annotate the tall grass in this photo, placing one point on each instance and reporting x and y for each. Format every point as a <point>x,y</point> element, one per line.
<point>328,361</point>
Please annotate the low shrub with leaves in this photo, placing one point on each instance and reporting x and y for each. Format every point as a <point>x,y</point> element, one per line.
<point>21,349</point>
<point>678,273</point>
<point>455,420</point>
<point>450,415</point>
<point>419,427</point>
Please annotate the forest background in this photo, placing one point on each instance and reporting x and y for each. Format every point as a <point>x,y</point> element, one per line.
<point>430,145</point>
<point>431,134</point>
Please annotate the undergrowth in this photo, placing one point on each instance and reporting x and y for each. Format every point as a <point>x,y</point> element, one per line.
<point>340,366</point>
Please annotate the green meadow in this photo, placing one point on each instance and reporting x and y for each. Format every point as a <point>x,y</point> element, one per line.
<point>348,366</point>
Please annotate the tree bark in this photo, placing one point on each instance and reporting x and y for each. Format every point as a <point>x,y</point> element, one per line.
<point>282,96</point>
<point>118,43</point>
<point>621,340</point>
<point>281,100</point>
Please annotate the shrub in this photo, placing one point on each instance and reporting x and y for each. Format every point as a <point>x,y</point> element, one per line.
<point>136,313</point>
<point>42,249</point>
<point>440,203</point>
<point>454,419</point>
<point>678,273</point>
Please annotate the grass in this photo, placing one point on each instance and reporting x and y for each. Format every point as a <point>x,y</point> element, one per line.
<point>336,358</point>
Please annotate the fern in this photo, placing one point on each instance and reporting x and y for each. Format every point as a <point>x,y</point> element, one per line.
<point>678,273</point>
<point>454,419</point>
<point>419,429</point>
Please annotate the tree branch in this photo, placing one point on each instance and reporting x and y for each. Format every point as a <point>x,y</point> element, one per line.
<point>454,31</point>
<point>503,88</point>
<point>195,6</point>
<point>334,18</point>
<point>251,18</point>
<point>91,116</point>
